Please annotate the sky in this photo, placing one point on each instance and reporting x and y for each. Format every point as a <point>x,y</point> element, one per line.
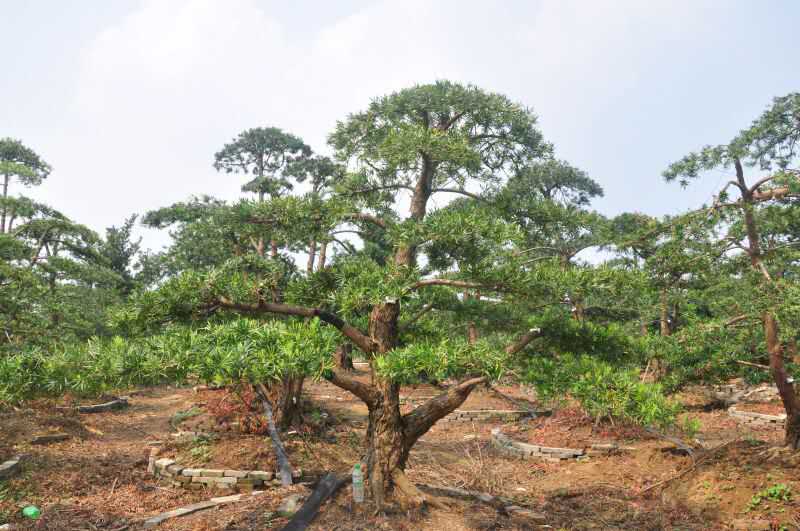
<point>129,100</point>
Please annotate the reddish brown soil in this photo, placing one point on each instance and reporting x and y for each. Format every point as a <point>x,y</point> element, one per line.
<point>97,479</point>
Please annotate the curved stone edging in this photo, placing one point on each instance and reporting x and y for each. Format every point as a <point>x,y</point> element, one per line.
<point>530,451</point>
<point>508,415</point>
<point>762,419</point>
<point>197,478</point>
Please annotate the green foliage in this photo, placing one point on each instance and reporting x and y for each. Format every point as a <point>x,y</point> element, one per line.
<point>439,361</point>
<point>602,389</point>
<point>20,161</point>
<point>780,492</point>
<point>222,353</point>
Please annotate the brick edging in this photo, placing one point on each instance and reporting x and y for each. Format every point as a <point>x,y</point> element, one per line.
<point>509,415</point>
<point>530,451</point>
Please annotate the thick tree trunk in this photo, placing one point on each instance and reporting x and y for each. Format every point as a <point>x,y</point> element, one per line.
<point>323,251</point>
<point>286,400</point>
<point>343,356</point>
<point>312,252</point>
<point>782,381</point>
<point>664,318</point>
<point>784,384</point>
<point>472,333</point>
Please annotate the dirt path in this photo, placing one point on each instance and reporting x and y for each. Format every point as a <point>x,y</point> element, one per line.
<point>99,473</point>
<point>97,479</point>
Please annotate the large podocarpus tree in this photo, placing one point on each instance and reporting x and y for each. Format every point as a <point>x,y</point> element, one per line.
<point>761,232</point>
<point>440,138</point>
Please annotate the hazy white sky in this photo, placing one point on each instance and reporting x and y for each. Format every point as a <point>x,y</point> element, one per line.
<point>129,100</point>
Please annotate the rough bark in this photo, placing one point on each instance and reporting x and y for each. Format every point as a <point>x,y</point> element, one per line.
<point>289,403</point>
<point>312,252</point>
<point>285,468</point>
<point>323,251</point>
<point>343,355</point>
<point>664,317</point>
<point>782,381</point>
<point>407,254</point>
<point>785,386</point>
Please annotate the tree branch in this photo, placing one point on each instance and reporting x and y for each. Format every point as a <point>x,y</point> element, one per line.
<point>361,216</point>
<point>425,309</point>
<point>449,282</point>
<point>458,191</point>
<point>449,123</point>
<point>367,393</point>
<point>361,340</point>
<point>380,188</point>
<point>523,340</point>
<point>759,182</point>
<point>421,419</point>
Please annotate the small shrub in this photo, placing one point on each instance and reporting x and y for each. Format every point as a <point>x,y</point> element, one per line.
<point>780,492</point>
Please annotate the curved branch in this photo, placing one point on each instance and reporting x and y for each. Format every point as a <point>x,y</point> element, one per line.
<point>361,216</point>
<point>367,393</point>
<point>421,419</point>
<point>425,309</point>
<point>380,188</point>
<point>759,182</point>
<point>458,191</point>
<point>361,340</point>
<point>523,340</point>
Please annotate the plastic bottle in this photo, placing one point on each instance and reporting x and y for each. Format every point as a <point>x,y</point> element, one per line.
<point>358,484</point>
<point>32,512</point>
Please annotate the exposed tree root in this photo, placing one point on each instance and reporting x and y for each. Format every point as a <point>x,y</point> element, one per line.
<point>413,496</point>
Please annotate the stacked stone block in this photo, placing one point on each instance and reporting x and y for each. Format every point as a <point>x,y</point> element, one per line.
<point>486,414</point>
<point>197,478</point>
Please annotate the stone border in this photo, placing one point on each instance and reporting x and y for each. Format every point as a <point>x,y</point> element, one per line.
<point>10,468</point>
<point>762,419</point>
<point>530,451</point>
<point>197,478</point>
<point>508,415</point>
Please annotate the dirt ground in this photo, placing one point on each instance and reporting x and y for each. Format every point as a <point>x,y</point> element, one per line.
<point>97,479</point>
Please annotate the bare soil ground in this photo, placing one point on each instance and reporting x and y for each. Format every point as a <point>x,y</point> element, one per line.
<point>97,479</point>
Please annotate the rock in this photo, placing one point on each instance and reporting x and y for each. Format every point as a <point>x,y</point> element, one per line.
<point>290,505</point>
<point>235,473</point>
<point>260,474</point>
<point>50,438</point>
<point>10,468</point>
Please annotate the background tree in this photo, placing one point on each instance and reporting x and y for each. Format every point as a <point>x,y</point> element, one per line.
<point>757,230</point>
<point>265,153</point>
<point>19,162</point>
